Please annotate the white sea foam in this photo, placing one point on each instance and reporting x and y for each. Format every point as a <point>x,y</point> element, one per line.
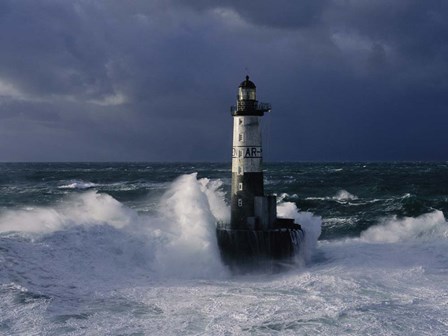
<point>344,195</point>
<point>282,196</point>
<point>341,196</point>
<point>177,240</point>
<point>89,208</point>
<point>78,185</point>
<point>180,240</point>
<point>216,198</point>
<point>191,247</point>
<point>427,226</point>
<point>94,266</point>
<point>311,198</point>
<point>310,223</point>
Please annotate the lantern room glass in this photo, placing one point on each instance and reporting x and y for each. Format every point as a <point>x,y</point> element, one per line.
<point>247,94</point>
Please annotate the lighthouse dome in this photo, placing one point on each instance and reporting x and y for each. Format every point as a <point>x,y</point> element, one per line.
<point>247,84</point>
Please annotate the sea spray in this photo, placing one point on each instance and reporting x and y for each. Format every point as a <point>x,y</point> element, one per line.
<point>191,248</point>
<point>311,225</point>
<point>394,243</point>
<point>344,195</point>
<point>431,225</point>
<point>178,241</point>
<point>216,198</point>
<point>87,208</point>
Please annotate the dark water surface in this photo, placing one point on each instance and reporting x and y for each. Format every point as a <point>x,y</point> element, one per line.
<point>349,197</point>
<point>130,249</point>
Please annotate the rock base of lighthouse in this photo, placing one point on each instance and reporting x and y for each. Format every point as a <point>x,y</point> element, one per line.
<point>253,247</point>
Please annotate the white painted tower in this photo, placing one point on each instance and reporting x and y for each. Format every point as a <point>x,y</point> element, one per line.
<point>247,156</point>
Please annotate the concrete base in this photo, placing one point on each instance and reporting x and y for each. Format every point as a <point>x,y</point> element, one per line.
<point>251,247</point>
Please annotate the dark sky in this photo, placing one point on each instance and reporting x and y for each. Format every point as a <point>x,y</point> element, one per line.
<point>152,80</point>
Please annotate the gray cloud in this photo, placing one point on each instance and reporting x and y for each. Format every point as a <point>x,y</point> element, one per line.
<point>152,80</point>
<point>281,13</point>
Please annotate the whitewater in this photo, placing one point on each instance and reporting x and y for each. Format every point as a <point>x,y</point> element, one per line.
<point>131,250</point>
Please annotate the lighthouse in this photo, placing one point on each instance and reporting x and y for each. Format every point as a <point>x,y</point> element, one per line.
<point>254,232</point>
<point>247,156</point>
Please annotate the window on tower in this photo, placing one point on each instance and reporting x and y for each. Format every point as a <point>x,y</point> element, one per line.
<point>251,94</point>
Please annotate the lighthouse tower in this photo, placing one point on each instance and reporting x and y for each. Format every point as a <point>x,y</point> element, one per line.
<point>247,156</point>
<point>254,232</point>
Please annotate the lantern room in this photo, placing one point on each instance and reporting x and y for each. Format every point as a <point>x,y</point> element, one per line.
<point>247,90</point>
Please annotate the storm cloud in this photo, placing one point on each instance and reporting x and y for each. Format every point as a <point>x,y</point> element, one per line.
<point>153,80</point>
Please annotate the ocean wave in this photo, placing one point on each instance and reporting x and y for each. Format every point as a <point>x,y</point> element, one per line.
<point>283,196</point>
<point>317,198</point>
<point>310,223</point>
<point>341,221</point>
<point>78,185</point>
<point>344,195</point>
<point>134,185</point>
<point>341,196</point>
<point>116,186</point>
<point>189,211</point>
<point>104,268</point>
<point>180,240</point>
<point>431,225</point>
<point>106,241</point>
<point>88,208</point>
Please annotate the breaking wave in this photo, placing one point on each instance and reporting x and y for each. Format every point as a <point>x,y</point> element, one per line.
<point>310,223</point>
<point>105,241</point>
<point>179,241</point>
<point>344,195</point>
<point>189,238</point>
<point>432,225</point>
<point>78,185</point>
<point>341,196</point>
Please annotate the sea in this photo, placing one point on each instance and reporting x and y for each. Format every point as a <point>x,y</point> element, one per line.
<point>130,249</point>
